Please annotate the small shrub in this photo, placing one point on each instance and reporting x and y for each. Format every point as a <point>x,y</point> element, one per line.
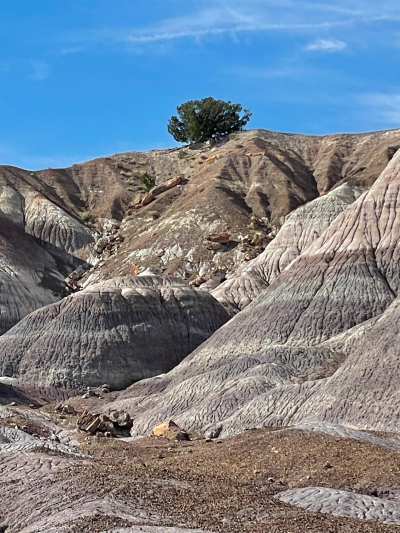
<point>88,218</point>
<point>147,180</point>
<point>182,154</point>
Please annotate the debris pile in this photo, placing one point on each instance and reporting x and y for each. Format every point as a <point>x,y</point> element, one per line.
<point>72,279</point>
<point>116,424</point>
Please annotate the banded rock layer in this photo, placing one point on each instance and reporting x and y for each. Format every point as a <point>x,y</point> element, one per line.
<point>115,332</point>
<point>40,243</point>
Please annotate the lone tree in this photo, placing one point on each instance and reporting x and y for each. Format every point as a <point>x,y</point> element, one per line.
<point>200,120</point>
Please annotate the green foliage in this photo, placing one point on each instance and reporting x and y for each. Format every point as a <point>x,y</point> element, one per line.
<point>88,218</point>
<point>182,154</point>
<point>147,180</point>
<point>200,120</point>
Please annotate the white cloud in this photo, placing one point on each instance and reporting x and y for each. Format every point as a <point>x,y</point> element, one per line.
<point>40,70</point>
<point>327,45</point>
<point>383,107</point>
<point>220,17</point>
<point>207,18</point>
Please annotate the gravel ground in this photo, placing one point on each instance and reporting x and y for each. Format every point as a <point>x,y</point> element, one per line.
<point>229,485</point>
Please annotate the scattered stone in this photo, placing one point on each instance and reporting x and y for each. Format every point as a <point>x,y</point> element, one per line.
<point>121,418</point>
<point>255,154</point>
<point>150,197</point>
<point>54,438</point>
<point>88,394</point>
<point>67,409</point>
<point>199,280</point>
<point>170,184</point>
<point>223,237</point>
<point>212,245</point>
<point>182,435</point>
<point>101,244</point>
<point>249,255</point>
<point>214,432</point>
<point>88,422</point>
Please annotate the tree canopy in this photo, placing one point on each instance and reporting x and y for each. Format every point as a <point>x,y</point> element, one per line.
<point>200,120</point>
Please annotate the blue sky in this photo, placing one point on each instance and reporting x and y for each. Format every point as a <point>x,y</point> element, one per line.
<point>84,78</point>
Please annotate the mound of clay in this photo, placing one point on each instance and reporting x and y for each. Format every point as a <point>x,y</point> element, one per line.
<point>114,332</point>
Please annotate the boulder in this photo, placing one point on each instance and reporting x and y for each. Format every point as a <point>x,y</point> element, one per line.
<point>161,429</point>
<point>222,237</point>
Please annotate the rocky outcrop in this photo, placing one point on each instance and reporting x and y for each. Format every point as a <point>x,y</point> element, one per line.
<point>39,244</point>
<point>272,363</point>
<point>114,332</point>
<point>244,195</point>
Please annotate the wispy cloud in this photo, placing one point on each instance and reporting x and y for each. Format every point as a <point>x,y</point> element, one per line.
<point>40,70</point>
<point>383,107</point>
<point>217,17</point>
<point>222,17</point>
<point>71,50</point>
<point>327,45</point>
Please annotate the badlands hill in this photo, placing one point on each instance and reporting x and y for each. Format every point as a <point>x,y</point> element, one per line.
<point>259,210</point>
<point>257,284</point>
<point>318,344</point>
